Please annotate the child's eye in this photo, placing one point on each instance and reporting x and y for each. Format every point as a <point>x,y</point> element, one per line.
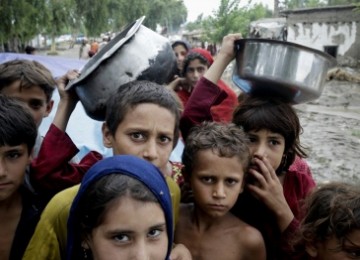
<point>13,155</point>
<point>353,253</point>
<point>35,104</point>
<point>274,142</point>
<point>121,238</point>
<point>154,233</point>
<point>137,136</point>
<point>207,179</point>
<point>165,140</point>
<point>231,181</point>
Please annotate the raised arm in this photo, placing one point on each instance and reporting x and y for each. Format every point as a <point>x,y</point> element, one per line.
<point>207,93</point>
<point>52,170</point>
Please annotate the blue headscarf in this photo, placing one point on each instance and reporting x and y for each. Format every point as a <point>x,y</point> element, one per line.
<point>131,166</point>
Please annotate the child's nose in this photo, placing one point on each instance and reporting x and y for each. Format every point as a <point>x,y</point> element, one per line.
<point>219,191</point>
<point>150,151</point>
<point>259,150</point>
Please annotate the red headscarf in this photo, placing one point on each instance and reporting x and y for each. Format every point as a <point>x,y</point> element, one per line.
<point>206,54</point>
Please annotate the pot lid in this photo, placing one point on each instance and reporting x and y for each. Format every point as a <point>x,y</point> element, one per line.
<point>107,51</point>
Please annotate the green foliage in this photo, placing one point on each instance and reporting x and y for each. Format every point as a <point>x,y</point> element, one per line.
<point>21,20</point>
<point>229,18</point>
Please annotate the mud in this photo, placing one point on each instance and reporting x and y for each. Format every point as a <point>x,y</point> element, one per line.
<point>331,127</point>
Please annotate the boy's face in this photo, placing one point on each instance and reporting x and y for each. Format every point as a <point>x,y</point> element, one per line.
<point>195,71</point>
<point>147,131</point>
<point>265,143</point>
<point>13,163</point>
<point>33,98</point>
<point>216,182</point>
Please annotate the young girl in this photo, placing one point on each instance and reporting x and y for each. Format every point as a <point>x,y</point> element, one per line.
<point>331,225</point>
<point>121,211</point>
<point>271,201</point>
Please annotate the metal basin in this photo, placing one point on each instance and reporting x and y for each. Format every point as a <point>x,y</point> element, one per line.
<point>137,53</point>
<point>291,71</point>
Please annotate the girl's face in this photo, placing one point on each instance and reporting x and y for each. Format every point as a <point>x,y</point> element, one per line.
<point>180,53</point>
<point>195,70</point>
<point>264,143</point>
<point>332,249</point>
<point>131,229</point>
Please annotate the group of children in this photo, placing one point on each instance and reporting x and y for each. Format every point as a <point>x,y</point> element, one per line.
<point>243,181</point>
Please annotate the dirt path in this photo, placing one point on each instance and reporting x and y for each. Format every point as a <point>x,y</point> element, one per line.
<point>332,132</point>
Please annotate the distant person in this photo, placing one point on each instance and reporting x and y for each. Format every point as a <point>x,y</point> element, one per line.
<point>331,225</point>
<point>30,50</point>
<point>216,158</point>
<point>94,47</point>
<point>180,48</point>
<point>196,63</point>
<point>84,49</point>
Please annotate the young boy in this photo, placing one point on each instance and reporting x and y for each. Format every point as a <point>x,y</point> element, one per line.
<point>20,208</point>
<point>216,158</point>
<point>32,84</point>
<point>130,128</point>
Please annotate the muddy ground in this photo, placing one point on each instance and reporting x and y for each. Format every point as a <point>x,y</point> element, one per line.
<point>331,127</point>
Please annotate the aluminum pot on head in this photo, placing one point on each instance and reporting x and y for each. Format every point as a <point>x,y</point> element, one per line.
<point>136,53</point>
<point>287,70</point>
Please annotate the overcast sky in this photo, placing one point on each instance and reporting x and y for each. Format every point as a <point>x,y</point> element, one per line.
<point>196,7</point>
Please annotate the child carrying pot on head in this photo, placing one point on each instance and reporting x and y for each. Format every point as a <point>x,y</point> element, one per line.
<point>216,159</point>
<point>278,179</point>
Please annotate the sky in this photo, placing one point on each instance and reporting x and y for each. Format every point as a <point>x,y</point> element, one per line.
<point>196,7</point>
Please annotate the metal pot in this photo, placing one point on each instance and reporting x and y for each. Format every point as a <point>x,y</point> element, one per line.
<point>291,71</point>
<point>137,53</point>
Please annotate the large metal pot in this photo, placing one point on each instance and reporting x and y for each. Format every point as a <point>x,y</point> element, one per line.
<point>137,53</point>
<point>291,71</point>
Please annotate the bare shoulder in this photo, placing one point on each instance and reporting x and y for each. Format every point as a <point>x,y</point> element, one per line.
<point>250,238</point>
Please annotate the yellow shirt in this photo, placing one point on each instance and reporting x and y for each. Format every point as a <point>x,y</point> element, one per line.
<point>49,239</point>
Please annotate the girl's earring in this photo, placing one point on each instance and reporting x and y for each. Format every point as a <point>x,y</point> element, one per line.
<point>85,253</point>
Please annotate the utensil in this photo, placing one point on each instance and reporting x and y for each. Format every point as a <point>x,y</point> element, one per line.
<point>269,67</point>
<point>136,53</point>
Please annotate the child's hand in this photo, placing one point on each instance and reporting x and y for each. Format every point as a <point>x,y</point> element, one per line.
<point>180,252</point>
<point>228,45</point>
<point>68,100</point>
<point>179,83</point>
<point>269,190</point>
<point>67,96</point>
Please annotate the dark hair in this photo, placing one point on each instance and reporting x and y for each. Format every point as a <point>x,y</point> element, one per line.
<point>226,140</point>
<point>194,56</point>
<point>30,73</point>
<point>331,210</point>
<point>256,113</point>
<point>17,126</point>
<point>183,43</point>
<point>100,196</point>
<point>139,92</point>
<point>29,49</point>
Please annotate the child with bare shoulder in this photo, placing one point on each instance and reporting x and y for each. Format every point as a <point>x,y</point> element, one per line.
<point>216,158</point>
